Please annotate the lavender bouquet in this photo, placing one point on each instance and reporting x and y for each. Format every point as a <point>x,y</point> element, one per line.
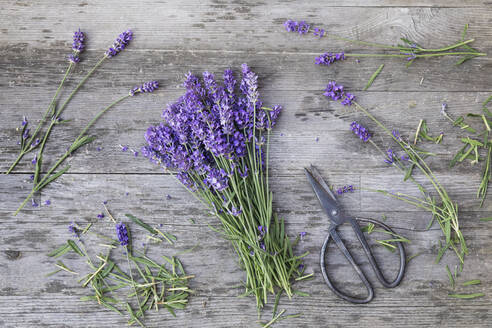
<point>215,142</point>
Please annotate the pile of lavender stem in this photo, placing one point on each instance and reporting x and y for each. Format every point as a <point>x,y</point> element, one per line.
<point>443,209</point>
<point>52,117</point>
<point>214,140</point>
<point>410,50</point>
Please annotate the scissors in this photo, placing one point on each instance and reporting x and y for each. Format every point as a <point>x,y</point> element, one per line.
<point>330,205</point>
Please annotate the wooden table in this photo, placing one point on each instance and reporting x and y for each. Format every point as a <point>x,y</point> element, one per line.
<point>172,38</point>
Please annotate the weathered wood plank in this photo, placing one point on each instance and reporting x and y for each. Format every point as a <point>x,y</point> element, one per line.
<point>293,145</point>
<point>227,26</point>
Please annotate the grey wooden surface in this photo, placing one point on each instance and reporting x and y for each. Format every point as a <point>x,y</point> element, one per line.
<point>172,38</point>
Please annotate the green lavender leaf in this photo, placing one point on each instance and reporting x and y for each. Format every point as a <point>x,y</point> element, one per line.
<point>141,223</point>
<point>60,250</point>
<point>373,77</point>
<point>465,58</point>
<point>450,276</point>
<point>84,140</point>
<point>458,156</point>
<point>463,34</point>
<point>486,219</point>
<point>74,247</point>
<point>408,172</point>
<point>52,178</point>
<point>472,282</point>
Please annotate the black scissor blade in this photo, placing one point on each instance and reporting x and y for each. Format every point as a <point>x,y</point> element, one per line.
<point>316,175</point>
<point>325,199</point>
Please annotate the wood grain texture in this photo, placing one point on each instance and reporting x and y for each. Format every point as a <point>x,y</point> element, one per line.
<point>174,37</point>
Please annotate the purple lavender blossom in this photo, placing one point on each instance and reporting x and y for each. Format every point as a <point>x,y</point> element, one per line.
<point>35,159</point>
<point>47,202</point>
<point>33,203</point>
<point>345,189</point>
<point>74,59</point>
<point>212,121</point>
<point>329,58</point>
<point>100,216</point>
<point>404,157</point>
<point>302,234</point>
<point>390,159</point>
<point>360,131</point>
<point>73,229</point>
<point>26,134</point>
<point>150,87</point>
<point>217,179</point>
<point>290,25</point>
<point>122,233</point>
<point>24,121</point>
<point>303,27</point>
<point>396,134</point>
<point>35,143</point>
<point>124,148</point>
<point>348,99</point>
<point>244,173</point>
<point>318,32</point>
<point>334,91</point>
<point>119,44</point>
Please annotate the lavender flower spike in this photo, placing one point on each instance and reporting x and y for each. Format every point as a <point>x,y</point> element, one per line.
<point>78,41</point>
<point>77,46</point>
<point>119,44</point>
<point>329,58</point>
<point>150,86</point>
<point>334,91</point>
<point>122,233</point>
<point>360,131</point>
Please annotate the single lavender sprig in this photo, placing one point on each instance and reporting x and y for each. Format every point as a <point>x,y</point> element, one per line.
<point>410,51</point>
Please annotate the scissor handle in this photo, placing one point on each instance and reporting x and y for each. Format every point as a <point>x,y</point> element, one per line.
<point>336,237</point>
